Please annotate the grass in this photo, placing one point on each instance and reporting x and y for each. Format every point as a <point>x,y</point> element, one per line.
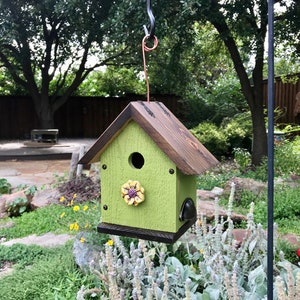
<point>53,218</point>
<point>46,273</point>
<point>52,275</point>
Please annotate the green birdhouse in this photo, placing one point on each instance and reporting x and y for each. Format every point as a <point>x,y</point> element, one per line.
<point>149,162</point>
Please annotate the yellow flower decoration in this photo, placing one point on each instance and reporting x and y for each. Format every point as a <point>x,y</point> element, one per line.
<point>82,240</point>
<point>132,192</point>
<point>62,199</point>
<point>76,208</point>
<point>85,208</point>
<point>110,242</point>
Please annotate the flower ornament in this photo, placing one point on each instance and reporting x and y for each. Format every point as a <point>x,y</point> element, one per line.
<point>132,192</point>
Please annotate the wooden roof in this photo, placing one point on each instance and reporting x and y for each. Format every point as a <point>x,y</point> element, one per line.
<point>171,136</point>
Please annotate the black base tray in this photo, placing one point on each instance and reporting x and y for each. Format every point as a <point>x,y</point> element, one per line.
<point>145,234</point>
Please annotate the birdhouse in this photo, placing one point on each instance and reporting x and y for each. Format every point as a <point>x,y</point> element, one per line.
<point>149,162</point>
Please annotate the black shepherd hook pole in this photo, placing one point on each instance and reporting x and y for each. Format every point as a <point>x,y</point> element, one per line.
<point>150,32</point>
<point>270,258</point>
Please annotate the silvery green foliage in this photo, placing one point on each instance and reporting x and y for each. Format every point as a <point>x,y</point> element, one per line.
<point>219,268</point>
<point>142,272</point>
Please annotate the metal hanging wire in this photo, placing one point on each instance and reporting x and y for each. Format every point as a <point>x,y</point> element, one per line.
<point>149,36</point>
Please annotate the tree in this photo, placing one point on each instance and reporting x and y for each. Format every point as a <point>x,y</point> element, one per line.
<point>113,82</point>
<point>46,39</point>
<point>242,26</point>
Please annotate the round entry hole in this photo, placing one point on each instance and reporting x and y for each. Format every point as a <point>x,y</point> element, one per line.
<point>136,160</point>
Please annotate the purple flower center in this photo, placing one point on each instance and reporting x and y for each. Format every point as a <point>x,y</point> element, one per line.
<point>132,193</point>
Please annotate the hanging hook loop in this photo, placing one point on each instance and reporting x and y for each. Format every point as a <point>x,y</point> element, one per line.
<point>152,21</point>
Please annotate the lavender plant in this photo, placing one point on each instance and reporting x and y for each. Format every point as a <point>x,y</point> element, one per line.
<point>219,267</point>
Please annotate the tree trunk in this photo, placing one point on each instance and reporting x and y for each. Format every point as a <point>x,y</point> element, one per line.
<point>44,112</point>
<point>259,144</point>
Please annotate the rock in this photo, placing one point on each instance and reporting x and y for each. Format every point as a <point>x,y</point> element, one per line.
<point>293,183</point>
<point>240,235</point>
<point>208,195</point>
<point>6,269</point>
<point>3,212</point>
<point>207,209</point>
<point>46,240</point>
<point>292,239</point>
<point>85,253</point>
<point>244,184</point>
<point>217,191</point>
<point>7,200</point>
<point>44,197</point>
<point>205,195</point>
<point>9,224</point>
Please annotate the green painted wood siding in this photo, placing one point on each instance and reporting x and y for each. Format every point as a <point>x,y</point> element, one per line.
<point>164,192</point>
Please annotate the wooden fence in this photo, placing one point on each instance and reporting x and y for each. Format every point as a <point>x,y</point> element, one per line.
<point>90,116</point>
<point>84,117</point>
<point>285,98</point>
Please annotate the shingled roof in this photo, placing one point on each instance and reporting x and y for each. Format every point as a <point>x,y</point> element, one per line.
<point>171,136</point>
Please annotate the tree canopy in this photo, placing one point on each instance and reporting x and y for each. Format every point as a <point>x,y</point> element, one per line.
<point>242,27</point>
<point>46,39</point>
<point>50,46</point>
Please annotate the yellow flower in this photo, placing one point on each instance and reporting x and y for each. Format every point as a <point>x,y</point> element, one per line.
<point>110,242</point>
<point>62,215</point>
<point>74,226</point>
<point>74,196</point>
<point>76,208</point>
<point>62,199</point>
<point>85,208</point>
<point>82,240</point>
<point>201,251</point>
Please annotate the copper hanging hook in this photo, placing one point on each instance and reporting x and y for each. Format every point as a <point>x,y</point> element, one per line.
<point>150,32</point>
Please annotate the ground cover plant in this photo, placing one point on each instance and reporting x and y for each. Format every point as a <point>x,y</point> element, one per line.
<point>213,266</point>
<point>207,263</point>
<point>287,184</point>
<point>50,275</point>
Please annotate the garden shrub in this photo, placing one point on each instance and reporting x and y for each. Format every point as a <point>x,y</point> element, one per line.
<point>231,134</point>
<point>238,131</point>
<point>212,138</point>
<point>286,207</point>
<point>287,158</point>
<point>286,161</point>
